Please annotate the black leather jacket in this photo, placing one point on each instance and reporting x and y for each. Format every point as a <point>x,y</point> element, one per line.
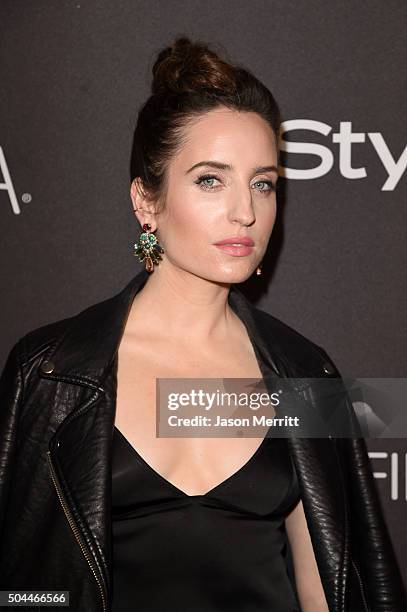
<point>57,413</point>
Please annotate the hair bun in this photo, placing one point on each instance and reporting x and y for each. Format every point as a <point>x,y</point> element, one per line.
<point>190,67</point>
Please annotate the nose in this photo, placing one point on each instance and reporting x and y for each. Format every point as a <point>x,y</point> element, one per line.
<point>242,210</point>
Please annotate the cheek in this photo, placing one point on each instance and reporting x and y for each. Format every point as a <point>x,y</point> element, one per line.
<point>188,224</point>
<point>268,216</point>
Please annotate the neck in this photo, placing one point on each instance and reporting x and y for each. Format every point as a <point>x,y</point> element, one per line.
<point>176,302</point>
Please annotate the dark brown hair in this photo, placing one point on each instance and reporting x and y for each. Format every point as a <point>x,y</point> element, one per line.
<point>190,79</point>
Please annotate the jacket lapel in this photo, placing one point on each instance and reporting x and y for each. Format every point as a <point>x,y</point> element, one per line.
<point>80,449</point>
<point>86,357</point>
<point>315,459</point>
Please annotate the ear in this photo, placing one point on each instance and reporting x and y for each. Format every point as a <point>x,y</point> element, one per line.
<point>144,207</point>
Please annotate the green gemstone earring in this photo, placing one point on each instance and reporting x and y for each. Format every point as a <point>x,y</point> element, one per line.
<point>148,248</point>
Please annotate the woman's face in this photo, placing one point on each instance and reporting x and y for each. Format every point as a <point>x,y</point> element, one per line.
<point>220,185</point>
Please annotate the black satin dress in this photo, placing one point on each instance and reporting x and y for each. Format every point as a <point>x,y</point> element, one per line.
<point>219,552</point>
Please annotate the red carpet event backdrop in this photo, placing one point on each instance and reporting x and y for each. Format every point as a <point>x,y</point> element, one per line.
<point>74,74</point>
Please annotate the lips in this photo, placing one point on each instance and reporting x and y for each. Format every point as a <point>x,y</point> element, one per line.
<point>237,241</point>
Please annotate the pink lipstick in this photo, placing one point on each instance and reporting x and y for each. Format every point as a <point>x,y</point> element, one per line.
<point>239,246</point>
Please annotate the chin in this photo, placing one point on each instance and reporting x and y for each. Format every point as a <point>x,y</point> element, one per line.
<point>232,275</point>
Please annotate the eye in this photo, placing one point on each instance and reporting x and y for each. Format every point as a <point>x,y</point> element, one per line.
<point>205,181</point>
<point>202,181</point>
<point>269,185</point>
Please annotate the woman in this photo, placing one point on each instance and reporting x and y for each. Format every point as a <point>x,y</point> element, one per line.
<point>92,501</point>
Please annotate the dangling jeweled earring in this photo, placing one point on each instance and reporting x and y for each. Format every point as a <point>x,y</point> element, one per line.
<point>148,248</point>
<point>258,270</point>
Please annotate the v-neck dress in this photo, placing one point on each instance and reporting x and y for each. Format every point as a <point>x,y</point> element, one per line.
<point>218,552</point>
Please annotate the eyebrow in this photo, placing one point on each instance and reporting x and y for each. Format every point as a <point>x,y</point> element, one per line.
<point>222,166</point>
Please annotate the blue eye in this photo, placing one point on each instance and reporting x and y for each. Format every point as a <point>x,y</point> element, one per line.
<point>270,185</point>
<point>206,177</point>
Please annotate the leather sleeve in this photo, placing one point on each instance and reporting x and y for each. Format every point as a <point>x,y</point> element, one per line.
<point>373,559</point>
<point>11,393</point>
<point>372,550</point>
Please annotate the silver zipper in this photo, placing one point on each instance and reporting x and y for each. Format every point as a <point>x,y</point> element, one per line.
<point>77,534</point>
<point>361,586</point>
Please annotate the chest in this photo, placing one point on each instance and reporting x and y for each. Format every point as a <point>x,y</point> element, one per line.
<point>193,464</point>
